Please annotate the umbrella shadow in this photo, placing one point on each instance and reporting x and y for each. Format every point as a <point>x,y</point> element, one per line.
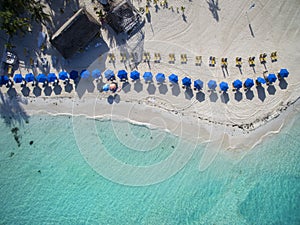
<point>261,92</point>
<point>12,92</point>
<point>57,89</point>
<point>249,94</point>
<point>282,83</point>
<point>188,93</point>
<point>113,98</point>
<point>175,89</point>
<point>84,85</point>
<point>138,86</point>
<point>68,87</point>
<point>238,96</point>
<point>25,91</point>
<point>126,86</point>
<point>224,97</point>
<point>151,89</point>
<point>200,96</point>
<point>163,89</point>
<point>213,97</point>
<point>47,90</point>
<point>37,91</point>
<point>12,111</point>
<point>271,89</point>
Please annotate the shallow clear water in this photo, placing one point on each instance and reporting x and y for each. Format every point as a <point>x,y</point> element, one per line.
<point>56,179</point>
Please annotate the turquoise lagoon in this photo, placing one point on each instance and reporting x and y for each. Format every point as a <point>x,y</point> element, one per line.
<point>48,179</point>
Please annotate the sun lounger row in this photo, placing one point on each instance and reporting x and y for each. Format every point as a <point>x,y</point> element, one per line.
<point>198,59</point>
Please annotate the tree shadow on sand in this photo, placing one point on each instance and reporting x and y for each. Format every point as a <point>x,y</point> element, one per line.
<point>12,111</point>
<point>213,6</point>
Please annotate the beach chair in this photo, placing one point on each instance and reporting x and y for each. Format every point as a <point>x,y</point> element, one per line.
<point>274,56</point>
<point>171,58</point>
<point>238,61</point>
<point>224,62</point>
<point>198,60</point>
<point>212,61</point>
<point>262,58</point>
<point>123,57</point>
<point>183,58</point>
<point>146,57</point>
<point>9,70</point>
<point>251,61</point>
<point>157,57</point>
<point>111,57</point>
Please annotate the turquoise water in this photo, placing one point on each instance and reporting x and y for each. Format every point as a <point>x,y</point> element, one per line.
<point>49,178</point>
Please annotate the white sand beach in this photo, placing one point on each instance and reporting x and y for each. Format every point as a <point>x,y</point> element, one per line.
<point>234,122</point>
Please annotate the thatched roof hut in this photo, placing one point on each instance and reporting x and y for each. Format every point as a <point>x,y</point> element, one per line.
<point>76,33</point>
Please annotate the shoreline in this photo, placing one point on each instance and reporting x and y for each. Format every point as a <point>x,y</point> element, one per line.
<point>229,137</point>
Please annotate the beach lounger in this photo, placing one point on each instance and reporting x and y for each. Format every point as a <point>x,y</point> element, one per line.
<point>111,57</point>
<point>224,62</point>
<point>183,58</point>
<point>9,70</point>
<point>123,57</point>
<point>157,57</point>
<point>274,56</point>
<point>171,58</point>
<point>262,58</point>
<point>251,61</point>
<point>146,57</point>
<point>31,62</point>
<point>238,61</point>
<point>212,61</point>
<point>198,60</point>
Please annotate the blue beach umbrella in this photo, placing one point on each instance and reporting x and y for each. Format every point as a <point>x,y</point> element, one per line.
<point>134,75</point>
<point>96,73</point>
<point>283,73</point>
<point>29,77</point>
<point>272,78</point>
<point>109,74</point>
<point>160,77</point>
<point>63,75</point>
<point>122,74</point>
<point>249,83</point>
<point>18,78</point>
<point>105,87</point>
<point>260,80</point>
<point>74,74</point>
<point>4,79</point>
<point>198,84</point>
<point>51,77</point>
<point>147,76</point>
<point>173,78</point>
<point>85,74</point>
<point>224,86</point>
<point>41,78</point>
<point>186,82</point>
<point>237,84</point>
<point>212,84</point>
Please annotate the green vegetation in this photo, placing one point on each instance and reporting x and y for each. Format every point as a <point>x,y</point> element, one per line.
<point>17,15</point>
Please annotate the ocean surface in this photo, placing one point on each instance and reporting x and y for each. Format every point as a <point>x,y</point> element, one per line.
<point>74,170</point>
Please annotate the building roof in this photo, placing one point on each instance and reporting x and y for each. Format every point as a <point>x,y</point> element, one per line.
<point>123,17</point>
<point>75,34</point>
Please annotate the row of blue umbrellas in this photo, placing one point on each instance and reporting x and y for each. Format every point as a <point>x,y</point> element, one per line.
<point>135,75</point>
